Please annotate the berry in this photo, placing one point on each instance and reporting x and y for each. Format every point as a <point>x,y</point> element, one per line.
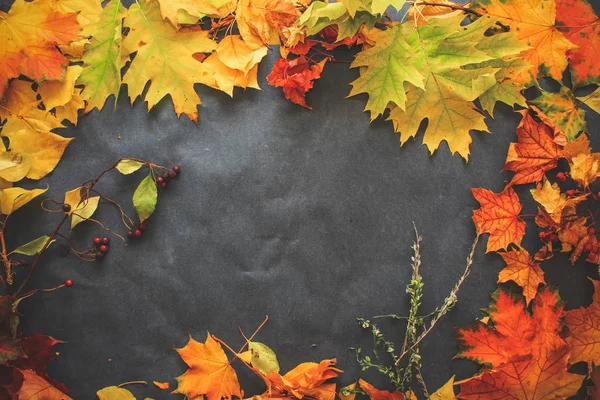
<point>561,176</point>
<point>138,233</point>
<point>571,192</point>
<point>591,231</point>
<point>130,234</point>
<point>104,249</point>
<point>66,207</point>
<point>588,247</point>
<point>177,169</point>
<point>163,185</point>
<point>97,241</point>
<point>598,194</point>
<point>68,283</point>
<point>160,179</point>
<point>142,227</point>
<point>172,174</point>
<point>105,240</point>
<point>99,255</point>
<point>553,238</point>
<point>165,177</point>
<point>592,255</point>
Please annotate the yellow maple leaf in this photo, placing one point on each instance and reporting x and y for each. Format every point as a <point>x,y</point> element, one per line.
<point>263,21</point>
<point>585,168</point>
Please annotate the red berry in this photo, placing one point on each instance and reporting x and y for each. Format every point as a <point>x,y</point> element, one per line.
<point>588,247</point>
<point>553,238</point>
<point>68,283</point>
<point>130,234</point>
<point>142,227</point>
<point>591,231</point>
<point>561,176</point>
<point>598,194</point>
<point>66,208</point>
<point>97,241</point>
<point>172,174</point>
<point>570,192</point>
<point>105,240</point>
<point>177,169</point>
<point>163,185</point>
<point>591,255</point>
<point>137,233</point>
<point>160,179</point>
<point>104,249</point>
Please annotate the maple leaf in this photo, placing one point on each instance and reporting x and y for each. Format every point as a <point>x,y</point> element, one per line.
<point>562,111</point>
<point>262,22</point>
<point>30,32</point>
<point>457,65</point>
<point>376,394</point>
<point>164,57</point>
<point>584,325</point>
<point>421,13</point>
<point>535,152</point>
<point>534,23</point>
<point>527,356</point>
<point>499,216</point>
<point>296,77</point>
<point>101,75</point>
<point>210,373</point>
<point>548,196</point>
<point>580,24</point>
<point>305,380</point>
<point>63,98</point>
<point>522,270</point>
<point>585,168</point>
<point>37,388</point>
<point>189,12</point>
<point>592,100</point>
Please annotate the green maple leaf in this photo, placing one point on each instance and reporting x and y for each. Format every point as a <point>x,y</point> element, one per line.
<point>562,109</point>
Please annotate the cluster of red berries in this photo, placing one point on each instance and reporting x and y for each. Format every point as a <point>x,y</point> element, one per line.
<point>137,232</point>
<point>102,246</point>
<point>591,249</point>
<point>548,235</point>
<point>162,180</point>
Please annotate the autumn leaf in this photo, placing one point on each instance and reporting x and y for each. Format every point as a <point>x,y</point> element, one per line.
<point>525,355</point>
<point>380,6</point>
<point>101,75</point>
<point>577,20</point>
<point>534,23</point>
<point>563,112</point>
<point>12,199</point>
<point>446,392</point>
<point>376,394</point>
<point>170,72</point>
<point>585,168</point>
<point>522,270</point>
<point>499,216</point>
<point>592,100</point>
<point>296,77</point>
<point>128,166</point>
<point>421,13</point>
<point>161,385</point>
<point>209,371</point>
<point>554,202</point>
<point>348,392</point>
<point>145,198</point>
<point>30,32</point>
<point>189,12</point>
<point>262,22</point>
<point>584,325</point>
<point>307,379</point>
<point>63,98</point>
<point>84,210</point>
<point>37,388</point>
<point>33,247</point>
<point>114,393</point>
<point>261,357</point>
<point>535,152</point>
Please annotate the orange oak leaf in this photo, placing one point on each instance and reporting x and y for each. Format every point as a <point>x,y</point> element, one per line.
<point>534,23</point>
<point>524,354</point>
<point>522,270</point>
<point>376,394</point>
<point>584,325</point>
<point>306,380</point>
<point>37,388</point>
<point>296,77</point>
<point>499,216</point>
<point>580,24</point>
<point>535,152</point>
<point>210,373</point>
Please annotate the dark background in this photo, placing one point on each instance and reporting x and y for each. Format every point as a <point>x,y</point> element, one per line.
<point>302,215</point>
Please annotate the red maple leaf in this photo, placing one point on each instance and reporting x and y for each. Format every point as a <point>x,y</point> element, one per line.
<point>296,77</point>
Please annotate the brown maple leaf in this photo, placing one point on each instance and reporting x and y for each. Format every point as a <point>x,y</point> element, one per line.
<point>584,325</point>
<point>499,216</point>
<point>524,354</point>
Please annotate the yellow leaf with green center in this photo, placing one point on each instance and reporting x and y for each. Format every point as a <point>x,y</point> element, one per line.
<point>164,57</point>
<point>563,112</point>
<point>457,65</point>
<point>102,59</point>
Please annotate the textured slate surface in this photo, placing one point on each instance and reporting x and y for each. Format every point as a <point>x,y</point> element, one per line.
<point>302,215</point>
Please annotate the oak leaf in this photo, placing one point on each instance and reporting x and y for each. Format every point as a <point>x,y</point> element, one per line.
<point>499,216</point>
<point>584,325</point>
<point>209,373</point>
<point>164,57</point>
<point>580,24</point>
<point>522,270</point>
<point>563,112</point>
<point>534,23</point>
<point>524,354</point>
<point>296,77</point>
<point>535,152</point>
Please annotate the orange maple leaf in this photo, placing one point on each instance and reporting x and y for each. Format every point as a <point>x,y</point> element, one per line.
<point>296,77</point>
<point>580,24</point>
<point>37,388</point>
<point>376,394</point>
<point>522,270</point>
<point>210,372</point>
<point>499,216</point>
<point>535,152</point>
<point>306,380</point>
<point>584,324</point>
<point>525,356</point>
<point>534,23</point>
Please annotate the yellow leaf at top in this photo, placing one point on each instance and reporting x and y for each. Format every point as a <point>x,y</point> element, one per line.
<point>191,11</point>
<point>235,53</point>
<point>164,57</point>
<point>209,372</point>
<point>220,76</point>
<point>87,11</point>
<point>263,21</point>
<point>63,97</point>
<point>534,23</point>
<point>114,393</point>
<point>11,199</point>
